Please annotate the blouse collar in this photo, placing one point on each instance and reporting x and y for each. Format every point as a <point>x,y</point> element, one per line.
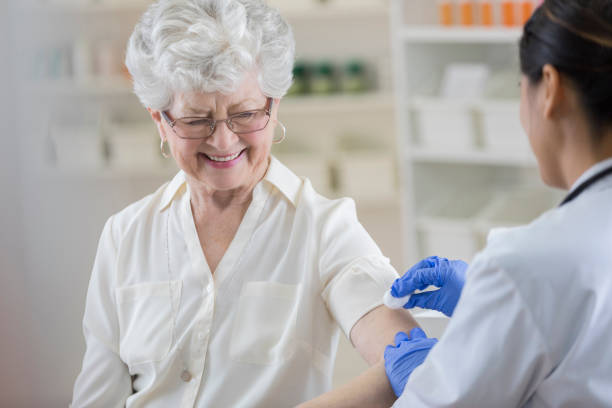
<point>277,175</point>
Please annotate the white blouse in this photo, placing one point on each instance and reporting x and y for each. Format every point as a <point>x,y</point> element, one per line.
<point>163,331</point>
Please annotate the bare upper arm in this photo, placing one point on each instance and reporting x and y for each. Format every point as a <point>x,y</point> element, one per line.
<point>377,329</point>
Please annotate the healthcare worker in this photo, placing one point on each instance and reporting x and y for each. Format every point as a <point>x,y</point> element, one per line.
<point>533,324</point>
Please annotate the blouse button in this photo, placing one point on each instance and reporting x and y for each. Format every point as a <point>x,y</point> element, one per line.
<point>186,376</point>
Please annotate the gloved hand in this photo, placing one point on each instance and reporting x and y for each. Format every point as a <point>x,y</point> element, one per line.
<point>449,276</point>
<point>408,353</point>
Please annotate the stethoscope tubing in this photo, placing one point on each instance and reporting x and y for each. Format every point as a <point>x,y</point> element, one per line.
<point>586,184</point>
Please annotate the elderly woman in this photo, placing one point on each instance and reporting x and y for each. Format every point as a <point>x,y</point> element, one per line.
<point>227,287</point>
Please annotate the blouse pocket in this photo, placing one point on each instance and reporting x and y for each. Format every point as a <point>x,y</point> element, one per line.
<point>146,313</point>
<point>264,326</point>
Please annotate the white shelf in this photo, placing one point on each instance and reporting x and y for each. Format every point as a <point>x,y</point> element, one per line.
<point>310,11</point>
<point>424,155</point>
<point>83,8</point>
<point>317,12</point>
<point>368,101</point>
<point>437,34</point>
<point>483,103</point>
<point>106,174</point>
<point>334,103</point>
<point>93,86</point>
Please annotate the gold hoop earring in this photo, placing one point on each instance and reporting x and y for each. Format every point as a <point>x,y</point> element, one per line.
<point>163,151</point>
<point>284,129</point>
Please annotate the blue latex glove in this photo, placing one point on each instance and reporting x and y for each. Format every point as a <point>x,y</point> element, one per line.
<point>447,275</point>
<point>408,353</point>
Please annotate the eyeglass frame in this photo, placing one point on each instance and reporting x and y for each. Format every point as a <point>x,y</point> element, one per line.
<point>213,122</point>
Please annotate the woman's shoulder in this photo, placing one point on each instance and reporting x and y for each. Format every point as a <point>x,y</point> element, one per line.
<point>553,247</point>
<point>304,195</point>
<point>508,247</point>
<point>561,232</point>
<point>141,211</point>
<point>325,208</point>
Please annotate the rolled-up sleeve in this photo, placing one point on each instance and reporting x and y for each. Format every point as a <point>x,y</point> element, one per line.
<point>354,272</point>
<point>104,380</point>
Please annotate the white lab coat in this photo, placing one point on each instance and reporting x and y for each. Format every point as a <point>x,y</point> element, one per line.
<point>533,326</point>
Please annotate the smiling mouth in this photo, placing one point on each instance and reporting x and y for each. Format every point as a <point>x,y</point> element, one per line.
<point>222,159</point>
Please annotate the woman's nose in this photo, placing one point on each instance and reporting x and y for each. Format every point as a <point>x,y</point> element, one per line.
<point>222,137</point>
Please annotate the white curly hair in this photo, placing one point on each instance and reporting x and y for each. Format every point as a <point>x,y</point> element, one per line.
<point>208,46</point>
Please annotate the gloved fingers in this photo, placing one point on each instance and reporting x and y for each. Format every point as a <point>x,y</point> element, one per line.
<point>417,279</point>
<point>424,263</point>
<point>401,336</point>
<point>417,333</point>
<point>402,286</point>
<point>446,265</point>
<point>449,270</point>
<point>429,276</point>
<point>425,300</point>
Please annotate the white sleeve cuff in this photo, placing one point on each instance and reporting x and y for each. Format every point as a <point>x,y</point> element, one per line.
<point>357,289</point>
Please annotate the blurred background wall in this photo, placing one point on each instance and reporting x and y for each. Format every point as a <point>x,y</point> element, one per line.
<point>408,106</point>
<point>15,360</point>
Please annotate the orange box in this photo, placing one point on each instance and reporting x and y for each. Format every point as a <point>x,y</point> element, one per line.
<point>466,12</point>
<point>526,11</point>
<point>508,12</point>
<point>486,13</point>
<point>445,10</point>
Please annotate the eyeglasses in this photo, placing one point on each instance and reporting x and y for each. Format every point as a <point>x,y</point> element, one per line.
<point>239,123</point>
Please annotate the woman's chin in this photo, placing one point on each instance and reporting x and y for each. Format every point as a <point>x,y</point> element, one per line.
<point>225,176</point>
<point>219,182</point>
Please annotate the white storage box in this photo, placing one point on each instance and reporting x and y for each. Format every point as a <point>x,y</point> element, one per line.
<point>309,165</point>
<point>446,125</point>
<point>501,128</point>
<point>450,229</point>
<point>366,175</point>
<point>134,146</point>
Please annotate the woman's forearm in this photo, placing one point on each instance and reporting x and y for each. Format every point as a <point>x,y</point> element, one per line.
<point>370,389</point>
<point>370,335</point>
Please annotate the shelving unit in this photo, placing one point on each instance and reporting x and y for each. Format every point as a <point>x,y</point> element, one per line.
<point>119,85</point>
<point>344,103</point>
<point>455,168</point>
<point>448,35</point>
<point>80,8</point>
<point>421,155</point>
<point>332,10</point>
<point>305,10</point>
<point>338,116</point>
<point>100,86</point>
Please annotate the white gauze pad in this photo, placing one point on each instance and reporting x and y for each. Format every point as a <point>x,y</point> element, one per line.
<point>393,302</point>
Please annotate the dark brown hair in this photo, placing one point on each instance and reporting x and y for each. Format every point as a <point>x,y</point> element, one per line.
<point>574,36</point>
